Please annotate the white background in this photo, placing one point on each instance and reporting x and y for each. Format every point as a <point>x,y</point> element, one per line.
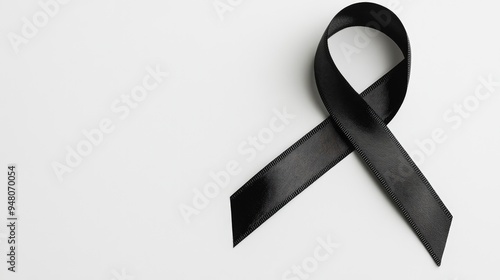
<point>116,215</point>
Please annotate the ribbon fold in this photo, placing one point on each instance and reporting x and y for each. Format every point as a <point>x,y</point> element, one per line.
<point>357,122</point>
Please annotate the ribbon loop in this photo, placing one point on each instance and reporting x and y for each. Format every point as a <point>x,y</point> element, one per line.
<point>356,122</point>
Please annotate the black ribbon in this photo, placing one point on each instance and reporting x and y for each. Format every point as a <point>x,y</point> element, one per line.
<point>357,122</point>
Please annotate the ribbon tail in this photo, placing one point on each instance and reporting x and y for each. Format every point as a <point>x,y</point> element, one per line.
<point>286,177</point>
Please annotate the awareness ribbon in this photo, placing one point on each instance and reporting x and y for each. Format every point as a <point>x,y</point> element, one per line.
<point>356,122</point>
